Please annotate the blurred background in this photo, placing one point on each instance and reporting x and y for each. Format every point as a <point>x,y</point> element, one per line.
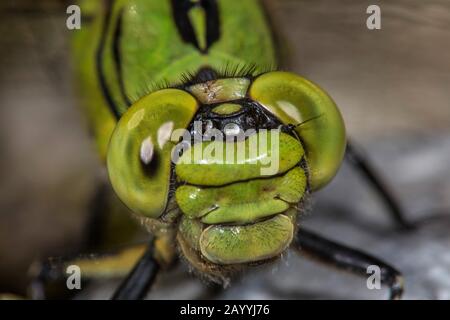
<point>392,86</point>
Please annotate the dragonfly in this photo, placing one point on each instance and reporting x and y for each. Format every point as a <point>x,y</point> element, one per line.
<point>148,67</point>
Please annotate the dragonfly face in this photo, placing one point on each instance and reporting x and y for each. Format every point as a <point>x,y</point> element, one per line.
<point>232,212</point>
<point>225,211</point>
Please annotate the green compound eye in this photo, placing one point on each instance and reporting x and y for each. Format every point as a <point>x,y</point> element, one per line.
<point>139,152</point>
<point>297,101</point>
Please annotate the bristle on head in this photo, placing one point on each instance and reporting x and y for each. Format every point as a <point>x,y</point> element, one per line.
<point>204,74</point>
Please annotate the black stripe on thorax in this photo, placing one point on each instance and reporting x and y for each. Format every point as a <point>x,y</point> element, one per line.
<point>117,57</point>
<point>100,54</point>
<point>180,10</point>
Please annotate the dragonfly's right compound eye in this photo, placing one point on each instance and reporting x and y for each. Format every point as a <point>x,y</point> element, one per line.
<point>314,115</point>
<point>139,152</point>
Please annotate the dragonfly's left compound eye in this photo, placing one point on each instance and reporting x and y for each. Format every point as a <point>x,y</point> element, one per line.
<point>139,152</point>
<point>297,101</point>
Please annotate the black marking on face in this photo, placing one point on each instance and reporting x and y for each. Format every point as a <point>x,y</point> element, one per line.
<point>180,10</point>
<point>251,116</point>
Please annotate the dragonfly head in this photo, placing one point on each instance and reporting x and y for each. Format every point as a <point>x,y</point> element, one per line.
<point>169,156</point>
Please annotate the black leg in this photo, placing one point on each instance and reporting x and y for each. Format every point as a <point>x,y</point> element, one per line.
<point>360,162</point>
<point>348,259</point>
<point>140,279</point>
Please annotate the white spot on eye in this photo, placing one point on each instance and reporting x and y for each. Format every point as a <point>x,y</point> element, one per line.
<point>231,129</point>
<point>164,133</point>
<point>147,150</point>
<point>290,110</point>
